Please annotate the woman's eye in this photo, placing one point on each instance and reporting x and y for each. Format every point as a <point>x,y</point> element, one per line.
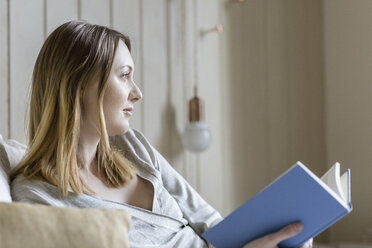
<point>125,75</point>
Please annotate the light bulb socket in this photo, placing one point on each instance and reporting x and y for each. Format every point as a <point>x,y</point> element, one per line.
<point>196,111</point>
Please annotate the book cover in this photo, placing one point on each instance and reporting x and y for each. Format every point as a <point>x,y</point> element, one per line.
<point>297,195</point>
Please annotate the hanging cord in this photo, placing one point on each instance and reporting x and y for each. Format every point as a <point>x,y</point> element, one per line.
<point>196,82</point>
<point>196,36</point>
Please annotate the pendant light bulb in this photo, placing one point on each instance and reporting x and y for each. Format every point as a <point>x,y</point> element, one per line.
<point>197,136</point>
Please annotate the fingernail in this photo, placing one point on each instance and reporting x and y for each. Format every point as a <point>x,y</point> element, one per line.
<point>297,226</point>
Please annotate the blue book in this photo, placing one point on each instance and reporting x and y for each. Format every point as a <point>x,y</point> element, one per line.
<point>297,195</point>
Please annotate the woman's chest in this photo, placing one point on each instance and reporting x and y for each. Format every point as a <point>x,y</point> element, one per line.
<point>139,192</point>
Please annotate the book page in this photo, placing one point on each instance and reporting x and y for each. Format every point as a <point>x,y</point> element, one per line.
<point>332,179</point>
<point>345,184</point>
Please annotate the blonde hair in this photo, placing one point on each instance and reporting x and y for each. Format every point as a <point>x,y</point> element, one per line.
<point>72,54</point>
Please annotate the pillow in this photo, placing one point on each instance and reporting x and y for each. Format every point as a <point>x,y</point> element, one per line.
<point>11,153</point>
<point>14,151</point>
<point>4,184</point>
<point>34,225</point>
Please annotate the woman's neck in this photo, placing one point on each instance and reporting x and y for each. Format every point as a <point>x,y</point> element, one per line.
<point>87,147</point>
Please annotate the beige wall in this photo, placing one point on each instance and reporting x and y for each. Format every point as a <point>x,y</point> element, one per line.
<point>3,69</point>
<point>274,90</point>
<point>348,73</point>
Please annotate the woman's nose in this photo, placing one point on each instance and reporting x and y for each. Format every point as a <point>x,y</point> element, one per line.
<point>135,94</point>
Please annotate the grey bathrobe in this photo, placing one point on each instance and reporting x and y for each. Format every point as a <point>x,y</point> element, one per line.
<point>178,217</point>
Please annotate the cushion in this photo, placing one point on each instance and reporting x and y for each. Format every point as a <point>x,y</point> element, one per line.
<point>34,225</point>
<point>4,185</point>
<point>11,153</point>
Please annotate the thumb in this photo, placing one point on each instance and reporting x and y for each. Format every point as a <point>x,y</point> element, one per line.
<point>285,233</point>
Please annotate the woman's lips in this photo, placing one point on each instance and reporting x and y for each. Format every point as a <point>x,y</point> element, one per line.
<point>128,111</point>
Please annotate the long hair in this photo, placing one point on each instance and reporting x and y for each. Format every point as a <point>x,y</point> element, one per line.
<point>72,54</point>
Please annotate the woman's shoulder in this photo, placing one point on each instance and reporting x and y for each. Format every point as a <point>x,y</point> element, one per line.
<point>134,143</point>
<point>34,191</point>
<point>132,138</point>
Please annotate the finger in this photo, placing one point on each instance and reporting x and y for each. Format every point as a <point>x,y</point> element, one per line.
<point>285,233</point>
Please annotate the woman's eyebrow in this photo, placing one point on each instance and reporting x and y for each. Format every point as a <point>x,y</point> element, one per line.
<point>130,67</point>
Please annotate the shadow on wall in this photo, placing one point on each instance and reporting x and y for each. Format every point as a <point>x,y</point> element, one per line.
<point>274,89</point>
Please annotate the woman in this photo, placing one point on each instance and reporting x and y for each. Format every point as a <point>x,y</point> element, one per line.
<point>82,94</point>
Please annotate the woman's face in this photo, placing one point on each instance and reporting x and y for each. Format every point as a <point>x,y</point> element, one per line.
<point>120,95</point>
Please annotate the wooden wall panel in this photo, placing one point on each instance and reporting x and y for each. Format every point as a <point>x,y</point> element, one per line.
<point>191,161</point>
<point>209,82</point>
<point>299,121</point>
<point>273,91</point>
<point>295,85</point>
<point>314,45</point>
<point>245,108</point>
<point>59,12</point>
<point>155,84</point>
<point>348,105</point>
<point>4,68</point>
<point>96,11</point>
<point>279,88</point>
<point>177,107</point>
<point>26,38</point>
<point>232,66</point>
<point>127,19</point>
<point>254,90</point>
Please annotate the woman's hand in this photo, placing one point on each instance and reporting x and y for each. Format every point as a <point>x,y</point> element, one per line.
<point>272,240</point>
